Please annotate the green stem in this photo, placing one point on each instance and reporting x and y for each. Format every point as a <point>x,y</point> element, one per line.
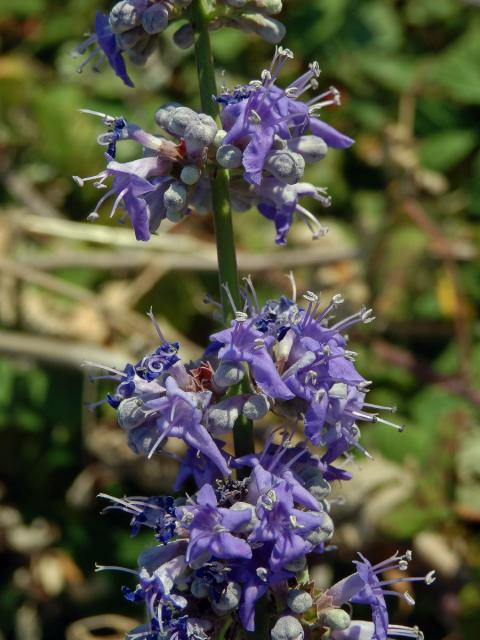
<point>222,215</point>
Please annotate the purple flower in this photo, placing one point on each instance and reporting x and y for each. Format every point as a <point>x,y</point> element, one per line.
<point>242,342</point>
<point>260,111</point>
<point>211,528</point>
<point>106,47</point>
<point>196,464</point>
<point>132,182</point>
<point>167,180</point>
<point>365,587</point>
<point>279,522</point>
<point>108,43</point>
<point>256,577</point>
<point>279,202</point>
<point>177,414</point>
<point>157,588</point>
<point>157,512</point>
<point>279,462</point>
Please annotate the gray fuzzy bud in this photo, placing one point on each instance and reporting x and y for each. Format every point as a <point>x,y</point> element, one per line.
<point>229,156</point>
<point>229,600</point>
<point>179,120</point>
<point>312,148</point>
<point>130,413</point>
<point>299,601</point>
<point>271,7</point>
<point>269,29</point>
<point>174,216</point>
<point>142,50</point>
<point>286,166</point>
<point>287,628</point>
<point>128,39</point>
<point>323,533</point>
<point>175,197</point>
<point>338,390</point>
<point>155,19</point>
<point>184,37</point>
<point>296,565</point>
<point>208,121</point>
<point>256,407</point>
<point>124,16</point>
<point>236,4</point>
<point>198,136</point>
<point>240,506</point>
<point>199,588</point>
<point>190,174</point>
<point>163,114</point>
<point>222,420</point>
<point>335,619</point>
<point>318,487</point>
<point>228,374</point>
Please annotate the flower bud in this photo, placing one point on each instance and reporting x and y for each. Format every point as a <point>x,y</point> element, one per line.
<point>228,374</point>
<point>130,413</point>
<point>229,600</point>
<point>338,390</point>
<point>155,19</point>
<point>335,619</point>
<point>179,120</point>
<point>323,533</point>
<point>240,506</point>
<point>190,174</point>
<point>208,121</point>
<point>222,416</point>
<point>269,7</point>
<point>287,628</point>
<point>184,37</point>
<point>128,39</point>
<point>256,407</point>
<point>174,216</point>
<point>142,50</point>
<point>175,197</point>
<point>319,487</point>
<point>198,135</point>
<point>236,4</point>
<point>299,601</point>
<point>312,148</point>
<point>199,588</point>
<point>124,16</point>
<point>164,112</point>
<point>296,565</point>
<point>269,29</point>
<point>286,166</point>
<point>229,156</point>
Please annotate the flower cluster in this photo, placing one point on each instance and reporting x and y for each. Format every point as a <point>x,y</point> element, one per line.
<point>131,28</point>
<point>272,134</point>
<point>298,365</point>
<point>269,136</point>
<point>229,545</point>
<point>236,540</point>
<point>168,180</point>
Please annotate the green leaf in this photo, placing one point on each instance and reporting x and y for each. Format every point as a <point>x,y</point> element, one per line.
<point>457,71</point>
<point>443,150</point>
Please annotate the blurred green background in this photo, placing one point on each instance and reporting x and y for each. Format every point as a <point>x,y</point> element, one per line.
<point>404,238</point>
